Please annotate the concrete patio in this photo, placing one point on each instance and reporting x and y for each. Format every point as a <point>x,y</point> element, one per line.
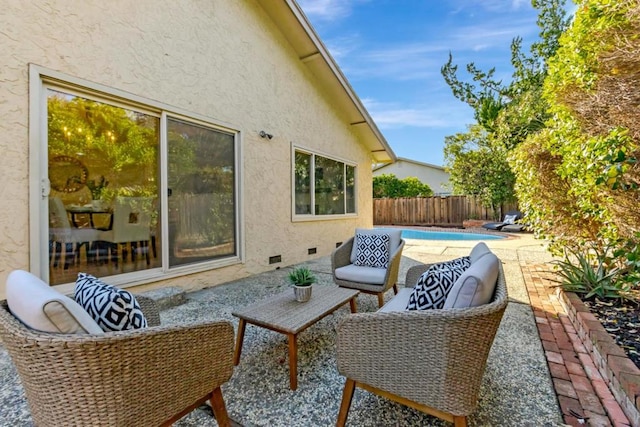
<point>517,388</point>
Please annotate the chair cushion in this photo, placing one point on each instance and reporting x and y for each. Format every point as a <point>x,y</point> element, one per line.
<point>434,284</point>
<point>358,274</point>
<point>510,219</point>
<point>394,238</point>
<point>398,302</point>
<point>40,307</point>
<point>372,250</point>
<point>478,251</point>
<point>476,285</point>
<point>112,308</point>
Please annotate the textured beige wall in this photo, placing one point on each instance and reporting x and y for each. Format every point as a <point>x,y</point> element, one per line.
<point>222,59</point>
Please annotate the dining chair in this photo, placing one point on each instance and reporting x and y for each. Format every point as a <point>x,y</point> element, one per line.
<point>62,232</point>
<point>131,226</point>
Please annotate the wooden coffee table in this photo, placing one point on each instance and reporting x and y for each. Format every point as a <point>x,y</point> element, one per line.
<point>282,313</point>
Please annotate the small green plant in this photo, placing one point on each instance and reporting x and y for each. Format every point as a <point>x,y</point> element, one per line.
<point>302,276</point>
<point>592,273</point>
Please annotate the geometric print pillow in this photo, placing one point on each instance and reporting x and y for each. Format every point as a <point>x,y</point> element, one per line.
<point>434,285</point>
<point>372,250</point>
<point>112,308</point>
<point>462,262</point>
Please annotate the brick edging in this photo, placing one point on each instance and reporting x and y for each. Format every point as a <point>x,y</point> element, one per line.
<point>620,373</point>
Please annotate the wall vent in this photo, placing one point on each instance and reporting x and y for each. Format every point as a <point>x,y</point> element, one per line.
<point>311,251</point>
<point>274,259</point>
<point>338,244</point>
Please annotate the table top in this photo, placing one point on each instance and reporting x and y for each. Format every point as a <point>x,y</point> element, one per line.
<point>79,209</point>
<point>282,311</point>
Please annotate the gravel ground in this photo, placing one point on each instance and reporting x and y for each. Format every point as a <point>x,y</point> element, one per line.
<point>517,389</point>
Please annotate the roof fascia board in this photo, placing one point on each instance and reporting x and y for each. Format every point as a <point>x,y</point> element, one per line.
<point>321,52</point>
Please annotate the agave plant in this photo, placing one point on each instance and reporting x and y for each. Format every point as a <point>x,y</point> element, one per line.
<point>302,276</point>
<point>591,274</point>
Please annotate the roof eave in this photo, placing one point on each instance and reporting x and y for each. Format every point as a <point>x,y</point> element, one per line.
<point>298,31</point>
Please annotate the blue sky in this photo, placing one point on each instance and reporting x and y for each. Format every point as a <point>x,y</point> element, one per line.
<point>391,51</point>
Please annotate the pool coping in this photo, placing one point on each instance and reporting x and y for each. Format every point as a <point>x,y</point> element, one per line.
<point>504,234</point>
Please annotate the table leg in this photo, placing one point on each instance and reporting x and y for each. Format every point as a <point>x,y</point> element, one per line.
<point>293,362</point>
<point>352,304</point>
<point>239,339</point>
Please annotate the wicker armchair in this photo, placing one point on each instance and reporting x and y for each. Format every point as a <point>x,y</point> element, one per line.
<point>341,256</point>
<point>142,377</point>
<point>430,360</point>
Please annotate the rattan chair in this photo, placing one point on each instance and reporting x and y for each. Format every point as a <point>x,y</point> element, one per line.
<point>143,377</point>
<point>429,360</point>
<point>341,256</point>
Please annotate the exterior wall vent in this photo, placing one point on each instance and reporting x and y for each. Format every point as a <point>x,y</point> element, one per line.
<point>311,251</point>
<point>338,244</point>
<point>274,259</point>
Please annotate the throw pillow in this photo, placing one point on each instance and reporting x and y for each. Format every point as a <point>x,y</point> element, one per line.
<point>462,262</point>
<point>434,285</point>
<point>372,250</point>
<point>510,219</point>
<point>112,308</point>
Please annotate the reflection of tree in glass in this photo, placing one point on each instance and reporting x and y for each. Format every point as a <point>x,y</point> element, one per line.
<point>303,183</point>
<point>202,181</point>
<point>117,143</point>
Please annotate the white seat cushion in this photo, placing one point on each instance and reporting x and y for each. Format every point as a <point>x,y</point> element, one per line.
<point>476,285</point>
<point>359,274</point>
<point>42,308</point>
<point>398,302</point>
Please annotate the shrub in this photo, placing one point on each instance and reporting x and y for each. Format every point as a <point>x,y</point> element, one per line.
<point>592,273</point>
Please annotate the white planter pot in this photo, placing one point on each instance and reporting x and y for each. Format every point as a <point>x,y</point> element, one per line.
<point>302,293</point>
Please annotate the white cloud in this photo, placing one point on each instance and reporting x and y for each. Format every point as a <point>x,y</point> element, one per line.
<point>389,116</point>
<point>328,10</point>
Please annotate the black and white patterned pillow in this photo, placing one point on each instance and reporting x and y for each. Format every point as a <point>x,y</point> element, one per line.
<point>372,250</point>
<point>462,262</point>
<point>434,285</point>
<point>112,308</point>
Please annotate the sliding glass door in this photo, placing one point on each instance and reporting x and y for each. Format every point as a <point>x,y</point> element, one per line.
<point>106,193</point>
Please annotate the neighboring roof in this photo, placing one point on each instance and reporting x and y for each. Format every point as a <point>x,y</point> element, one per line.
<point>403,159</point>
<point>297,29</point>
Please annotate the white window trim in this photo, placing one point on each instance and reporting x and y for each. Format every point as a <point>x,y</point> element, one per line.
<point>313,217</point>
<point>40,80</point>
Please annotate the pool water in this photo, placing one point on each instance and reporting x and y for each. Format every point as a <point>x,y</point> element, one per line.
<point>447,235</point>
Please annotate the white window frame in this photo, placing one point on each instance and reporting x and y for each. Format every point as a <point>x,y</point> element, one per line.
<point>295,217</point>
<point>42,79</point>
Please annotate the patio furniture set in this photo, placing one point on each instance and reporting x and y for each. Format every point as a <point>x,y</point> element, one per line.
<point>74,372</point>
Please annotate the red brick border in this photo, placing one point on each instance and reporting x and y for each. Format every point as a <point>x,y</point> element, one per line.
<point>617,370</point>
<point>583,392</point>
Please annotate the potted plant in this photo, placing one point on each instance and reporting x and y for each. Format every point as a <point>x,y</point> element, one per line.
<point>97,187</point>
<point>302,278</point>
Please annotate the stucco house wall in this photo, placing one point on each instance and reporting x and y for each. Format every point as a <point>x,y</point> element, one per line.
<point>225,60</point>
<point>434,176</point>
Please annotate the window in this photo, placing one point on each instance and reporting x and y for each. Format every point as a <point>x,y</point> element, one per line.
<point>106,192</point>
<point>322,186</point>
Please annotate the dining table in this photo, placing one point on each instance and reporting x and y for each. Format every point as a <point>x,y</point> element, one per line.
<point>91,210</point>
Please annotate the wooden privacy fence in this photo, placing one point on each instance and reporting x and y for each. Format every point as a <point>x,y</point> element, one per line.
<point>448,211</point>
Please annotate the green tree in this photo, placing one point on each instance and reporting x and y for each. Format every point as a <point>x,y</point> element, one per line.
<point>580,179</point>
<point>387,185</point>
<point>505,113</point>
<point>479,167</point>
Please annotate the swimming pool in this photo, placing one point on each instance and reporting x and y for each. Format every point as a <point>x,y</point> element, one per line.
<point>446,235</point>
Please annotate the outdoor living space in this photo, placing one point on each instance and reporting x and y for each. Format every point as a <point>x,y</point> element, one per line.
<point>517,387</point>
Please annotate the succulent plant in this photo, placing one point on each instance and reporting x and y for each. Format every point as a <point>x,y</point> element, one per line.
<point>302,276</point>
